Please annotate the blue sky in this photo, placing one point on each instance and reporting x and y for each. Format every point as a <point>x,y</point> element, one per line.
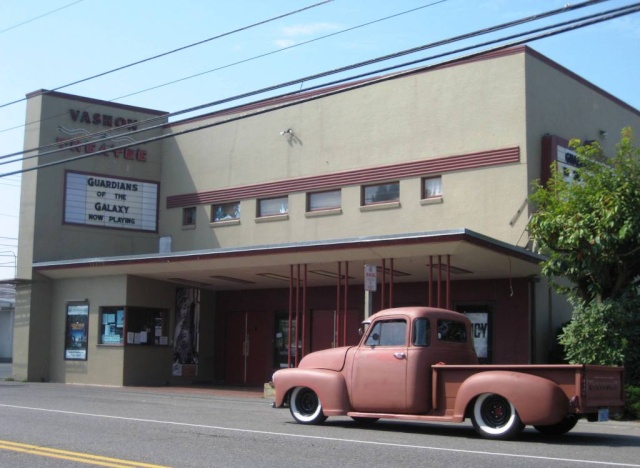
<point>43,49</point>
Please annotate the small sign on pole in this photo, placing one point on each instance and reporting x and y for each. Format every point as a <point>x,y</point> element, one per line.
<point>370,278</point>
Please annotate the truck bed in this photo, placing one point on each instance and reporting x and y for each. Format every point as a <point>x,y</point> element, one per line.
<point>587,387</point>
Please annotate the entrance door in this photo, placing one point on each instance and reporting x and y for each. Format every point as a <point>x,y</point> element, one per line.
<point>247,348</point>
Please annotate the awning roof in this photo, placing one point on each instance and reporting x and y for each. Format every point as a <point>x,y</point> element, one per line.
<point>472,256</point>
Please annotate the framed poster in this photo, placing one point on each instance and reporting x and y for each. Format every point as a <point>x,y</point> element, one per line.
<point>77,326</point>
<point>481,329</point>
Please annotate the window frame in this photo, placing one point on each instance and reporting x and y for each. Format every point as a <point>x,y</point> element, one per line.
<point>124,322</point>
<point>427,332</point>
<point>224,207</point>
<point>377,328</point>
<point>189,216</point>
<point>450,335</point>
<point>310,195</point>
<point>424,195</point>
<point>365,188</point>
<point>259,213</point>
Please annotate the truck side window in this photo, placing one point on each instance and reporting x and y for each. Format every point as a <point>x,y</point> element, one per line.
<point>451,330</point>
<point>387,333</point>
<point>421,332</point>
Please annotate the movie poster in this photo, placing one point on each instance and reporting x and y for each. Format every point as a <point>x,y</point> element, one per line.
<point>75,348</point>
<point>185,351</point>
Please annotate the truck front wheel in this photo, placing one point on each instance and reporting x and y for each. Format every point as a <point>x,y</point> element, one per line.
<point>495,417</point>
<point>305,406</point>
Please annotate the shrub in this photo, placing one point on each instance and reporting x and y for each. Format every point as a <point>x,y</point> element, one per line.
<point>631,408</point>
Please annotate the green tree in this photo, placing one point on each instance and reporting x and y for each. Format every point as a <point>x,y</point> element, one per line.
<point>589,229</point>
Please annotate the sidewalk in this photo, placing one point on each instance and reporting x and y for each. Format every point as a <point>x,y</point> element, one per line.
<point>6,371</point>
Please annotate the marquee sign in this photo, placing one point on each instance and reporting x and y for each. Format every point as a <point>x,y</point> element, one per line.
<point>110,202</point>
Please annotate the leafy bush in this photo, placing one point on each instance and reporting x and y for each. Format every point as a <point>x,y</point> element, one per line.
<point>605,333</point>
<point>632,404</point>
<point>595,334</point>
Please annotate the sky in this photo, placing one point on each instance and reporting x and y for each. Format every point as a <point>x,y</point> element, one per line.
<point>47,44</point>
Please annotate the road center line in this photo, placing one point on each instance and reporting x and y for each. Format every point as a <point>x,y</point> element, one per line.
<point>329,439</point>
<point>73,456</point>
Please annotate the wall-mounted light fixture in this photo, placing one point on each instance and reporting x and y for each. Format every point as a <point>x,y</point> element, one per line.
<point>603,134</point>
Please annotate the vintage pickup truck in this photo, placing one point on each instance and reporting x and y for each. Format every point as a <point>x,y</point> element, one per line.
<point>419,363</point>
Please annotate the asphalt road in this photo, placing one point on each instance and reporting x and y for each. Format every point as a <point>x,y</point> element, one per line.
<point>56,425</point>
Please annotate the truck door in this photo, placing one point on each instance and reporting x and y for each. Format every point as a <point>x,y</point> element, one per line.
<point>380,368</point>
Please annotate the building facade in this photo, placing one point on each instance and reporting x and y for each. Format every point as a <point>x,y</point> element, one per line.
<point>223,247</point>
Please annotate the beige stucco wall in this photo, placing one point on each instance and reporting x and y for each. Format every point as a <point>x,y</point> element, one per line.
<point>560,103</point>
<point>104,364</point>
<point>452,111</point>
<point>114,365</point>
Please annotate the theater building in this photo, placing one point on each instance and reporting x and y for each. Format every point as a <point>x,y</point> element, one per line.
<point>223,247</point>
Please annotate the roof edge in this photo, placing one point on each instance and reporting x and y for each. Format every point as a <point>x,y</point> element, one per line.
<point>269,249</point>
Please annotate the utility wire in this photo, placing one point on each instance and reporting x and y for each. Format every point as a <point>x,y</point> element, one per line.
<point>569,26</point>
<point>301,80</point>
<point>175,50</point>
<point>38,17</point>
<point>84,137</point>
<point>284,49</point>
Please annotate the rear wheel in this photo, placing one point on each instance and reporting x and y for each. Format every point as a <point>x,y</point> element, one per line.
<point>565,425</point>
<point>305,406</point>
<point>495,417</point>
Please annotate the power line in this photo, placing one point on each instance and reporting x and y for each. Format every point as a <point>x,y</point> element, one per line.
<point>568,26</point>
<point>282,49</point>
<point>216,69</point>
<point>176,50</point>
<point>38,17</point>
<point>473,34</point>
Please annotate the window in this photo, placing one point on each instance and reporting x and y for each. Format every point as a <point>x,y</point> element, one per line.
<point>273,206</point>
<point>451,330</point>
<point>324,200</point>
<point>387,333</point>
<point>372,194</point>
<point>189,216</point>
<point>432,187</point>
<point>421,332</point>
<point>133,325</point>
<point>225,211</point>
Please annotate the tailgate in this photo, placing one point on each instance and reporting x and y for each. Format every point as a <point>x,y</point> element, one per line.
<point>602,386</point>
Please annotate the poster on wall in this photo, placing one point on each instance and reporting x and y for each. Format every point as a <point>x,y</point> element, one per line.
<point>75,348</point>
<point>480,329</point>
<point>187,331</point>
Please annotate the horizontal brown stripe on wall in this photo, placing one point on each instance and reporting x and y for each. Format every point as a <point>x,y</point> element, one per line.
<point>355,177</point>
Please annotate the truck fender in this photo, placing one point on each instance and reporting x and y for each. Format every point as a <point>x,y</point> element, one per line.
<point>537,400</point>
<point>329,385</point>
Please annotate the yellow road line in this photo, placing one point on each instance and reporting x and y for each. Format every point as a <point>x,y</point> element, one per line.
<point>73,456</point>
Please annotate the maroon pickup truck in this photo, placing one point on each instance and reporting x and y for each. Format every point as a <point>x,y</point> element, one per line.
<point>418,363</point>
